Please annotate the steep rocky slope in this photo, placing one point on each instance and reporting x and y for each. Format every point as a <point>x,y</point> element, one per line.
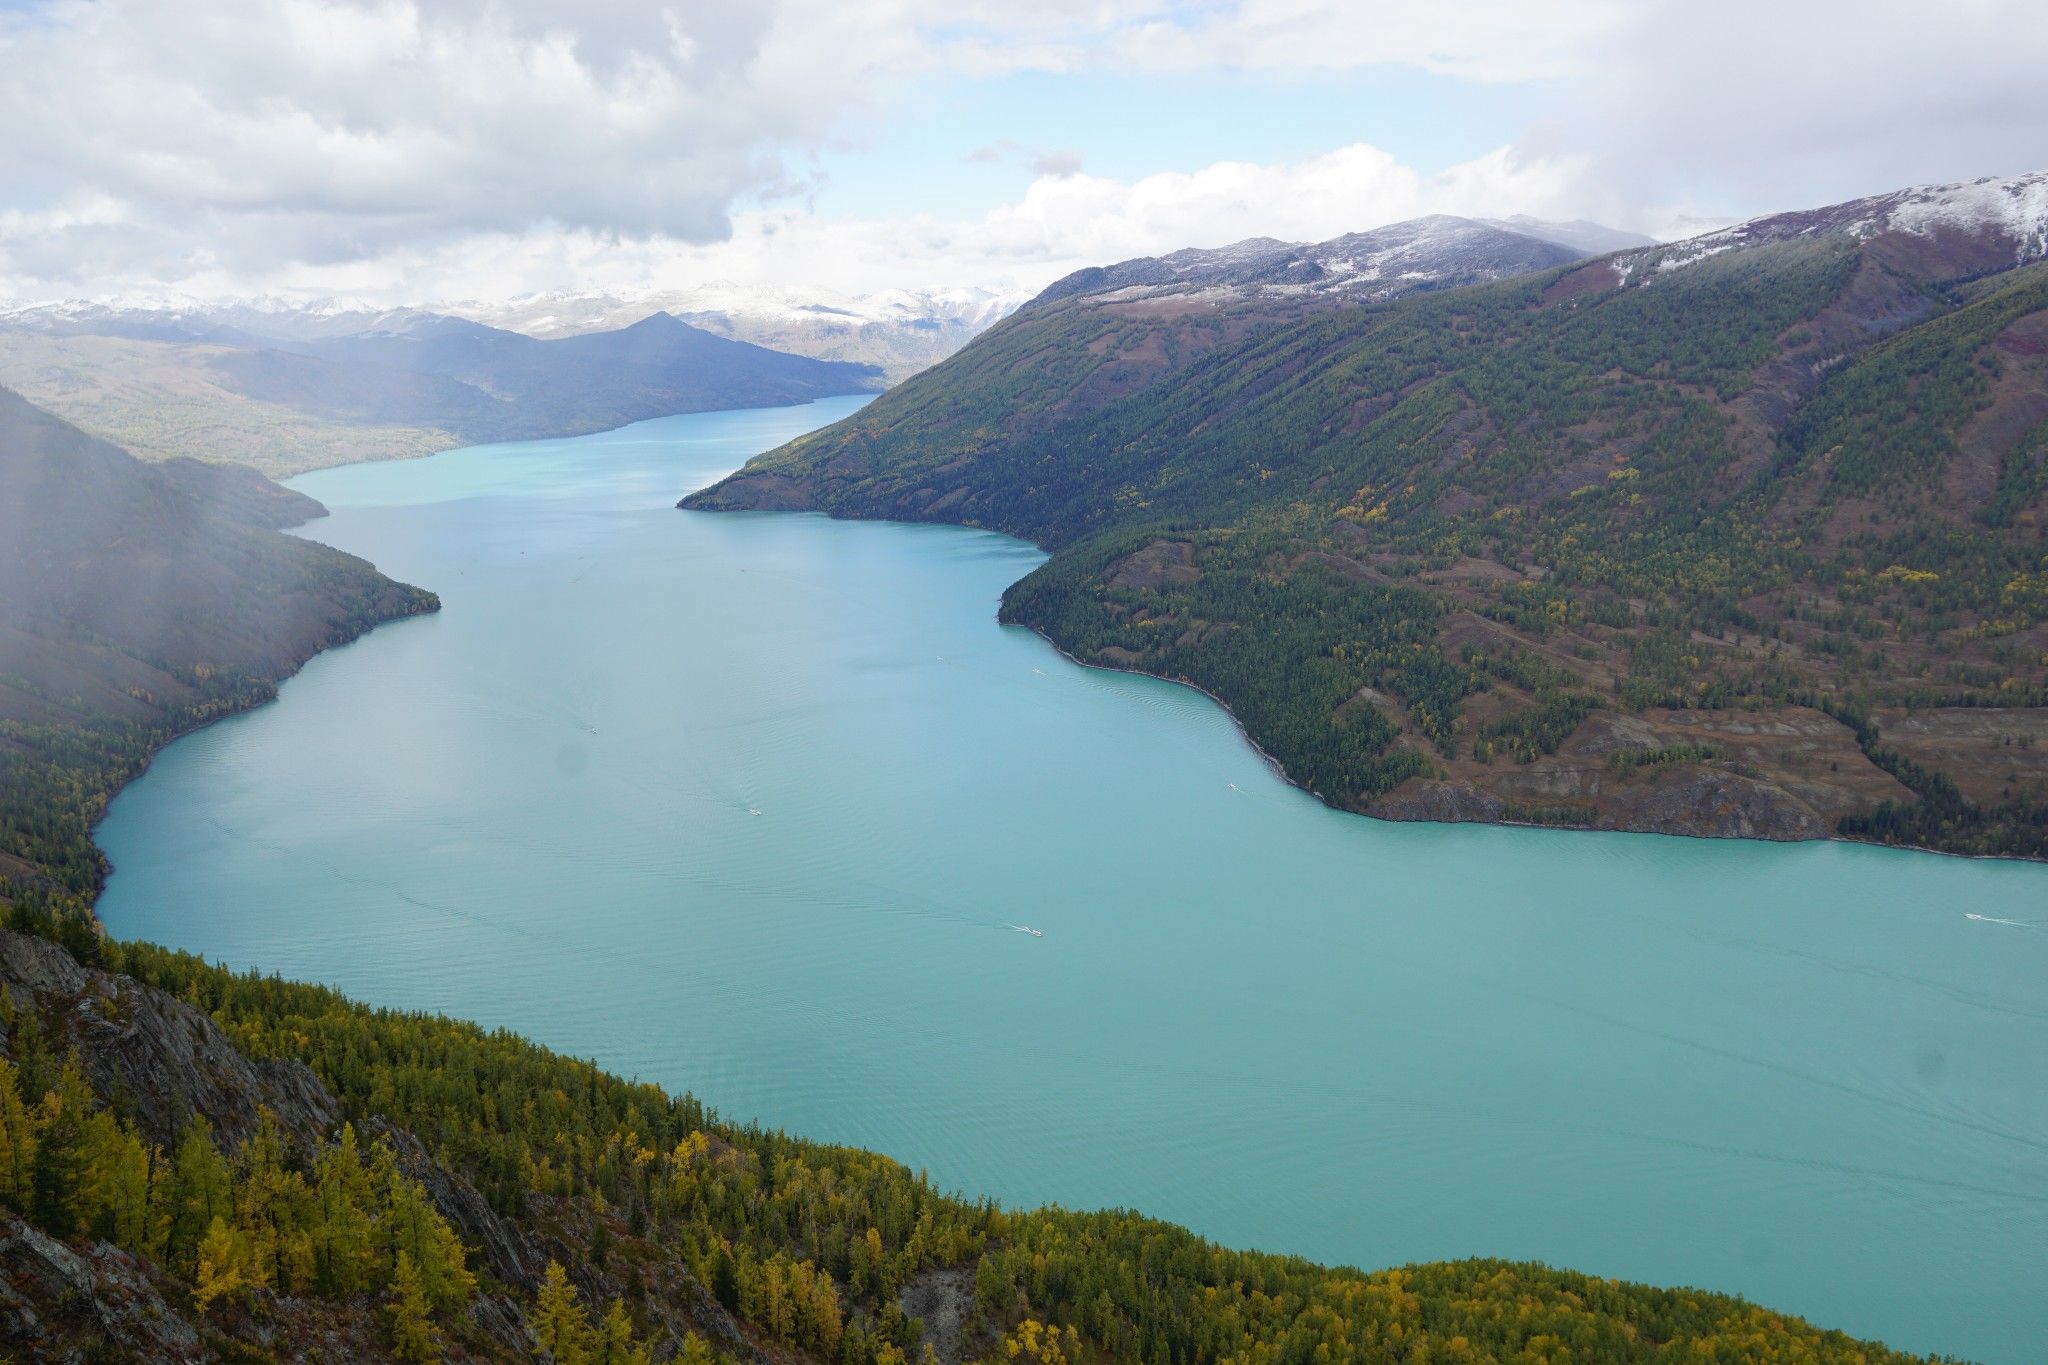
<point>162,1063</point>
<point>1739,535</point>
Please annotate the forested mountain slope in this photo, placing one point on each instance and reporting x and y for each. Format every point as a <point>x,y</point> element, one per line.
<point>1740,535</point>
<point>137,601</point>
<point>196,1165</point>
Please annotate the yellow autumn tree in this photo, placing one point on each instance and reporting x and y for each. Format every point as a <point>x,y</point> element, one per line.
<point>344,1238</point>
<point>559,1326</point>
<point>17,1140</point>
<point>615,1344</point>
<point>275,1208</point>
<point>412,1226</point>
<point>695,1351</point>
<point>114,1194</point>
<point>1040,1343</point>
<point>224,1266</point>
<point>414,1336</point>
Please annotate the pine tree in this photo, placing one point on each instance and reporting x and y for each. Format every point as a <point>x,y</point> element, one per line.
<point>725,1280</point>
<point>413,1332</point>
<point>411,1225</point>
<point>57,1178</point>
<point>115,1199</point>
<point>344,1239</point>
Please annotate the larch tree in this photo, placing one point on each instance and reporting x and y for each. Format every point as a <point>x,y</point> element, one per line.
<point>414,1335</point>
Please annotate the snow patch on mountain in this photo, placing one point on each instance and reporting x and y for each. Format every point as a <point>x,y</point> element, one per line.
<point>2011,211</point>
<point>1437,252</point>
<point>2015,208</point>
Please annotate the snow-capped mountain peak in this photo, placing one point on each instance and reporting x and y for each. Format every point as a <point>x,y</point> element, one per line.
<point>1436,252</point>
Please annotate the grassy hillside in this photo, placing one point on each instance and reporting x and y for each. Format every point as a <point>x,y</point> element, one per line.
<point>1731,541</point>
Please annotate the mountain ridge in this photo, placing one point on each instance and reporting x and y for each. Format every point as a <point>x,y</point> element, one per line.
<point>1549,549</point>
<point>1434,252</point>
<point>901,331</point>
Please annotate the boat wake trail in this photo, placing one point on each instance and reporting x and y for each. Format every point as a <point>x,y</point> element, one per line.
<point>1993,919</point>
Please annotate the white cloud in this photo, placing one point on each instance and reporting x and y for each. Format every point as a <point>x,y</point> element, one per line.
<point>260,132</point>
<point>1749,106</point>
<point>451,147</point>
<point>1484,40</point>
<point>1061,222</point>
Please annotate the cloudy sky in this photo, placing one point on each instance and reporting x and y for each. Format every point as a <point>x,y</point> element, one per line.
<point>420,150</point>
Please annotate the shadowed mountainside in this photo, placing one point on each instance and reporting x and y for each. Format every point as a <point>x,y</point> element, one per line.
<point>138,601</point>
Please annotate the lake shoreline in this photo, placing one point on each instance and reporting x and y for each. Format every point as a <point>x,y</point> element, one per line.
<point>1204,952</point>
<point>1280,771</point>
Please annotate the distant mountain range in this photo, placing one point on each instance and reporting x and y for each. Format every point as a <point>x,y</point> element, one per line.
<point>291,386</point>
<point>1438,252</point>
<point>899,331</point>
<point>289,389</point>
<point>1738,535</point>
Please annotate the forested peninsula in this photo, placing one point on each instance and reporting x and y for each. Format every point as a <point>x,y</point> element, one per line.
<point>1735,536</point>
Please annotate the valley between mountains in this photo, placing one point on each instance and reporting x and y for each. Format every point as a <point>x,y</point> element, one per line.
<point>1736,536</point>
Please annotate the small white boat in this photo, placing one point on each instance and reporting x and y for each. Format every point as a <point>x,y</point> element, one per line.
<point>1026,929</point>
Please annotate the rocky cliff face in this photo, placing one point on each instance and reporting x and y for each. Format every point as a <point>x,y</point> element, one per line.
<point>170,1061</point>
<point>64,1303</point>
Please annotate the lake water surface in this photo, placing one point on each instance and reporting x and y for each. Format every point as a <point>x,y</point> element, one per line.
<point>745,805</point>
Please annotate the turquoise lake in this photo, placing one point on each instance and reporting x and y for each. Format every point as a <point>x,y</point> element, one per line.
<point>747,804</point>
